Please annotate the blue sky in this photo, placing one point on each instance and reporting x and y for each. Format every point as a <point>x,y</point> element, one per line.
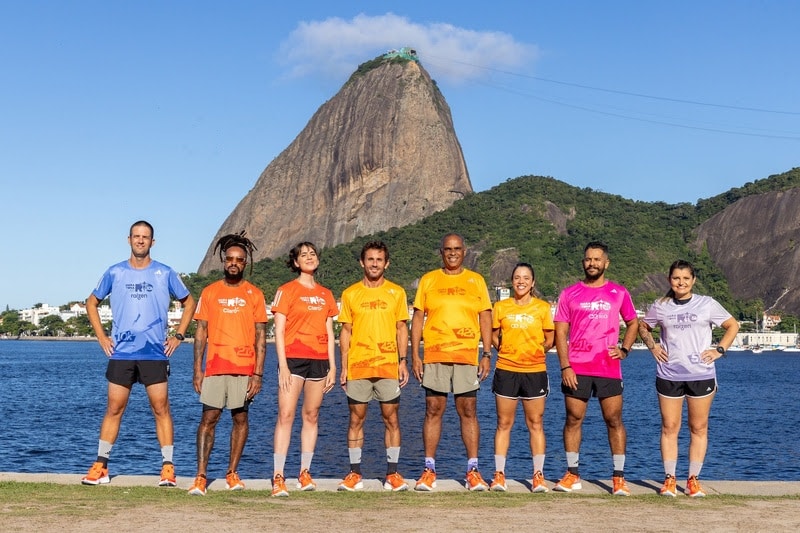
<point>114,111</point>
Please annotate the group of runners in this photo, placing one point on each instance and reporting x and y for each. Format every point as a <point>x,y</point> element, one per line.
<point>453,317</point>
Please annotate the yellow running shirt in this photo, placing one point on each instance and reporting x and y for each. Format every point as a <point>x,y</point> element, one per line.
<point>374,314</point>
<point>452,304</point>
<point>522,329</point>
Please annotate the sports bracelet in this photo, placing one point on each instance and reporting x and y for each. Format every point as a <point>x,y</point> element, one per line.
<point>566,367</point>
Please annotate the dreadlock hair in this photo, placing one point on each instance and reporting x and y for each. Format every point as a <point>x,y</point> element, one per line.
<point>235,239</point>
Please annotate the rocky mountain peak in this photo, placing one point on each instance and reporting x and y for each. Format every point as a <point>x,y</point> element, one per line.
<point>381,153</point>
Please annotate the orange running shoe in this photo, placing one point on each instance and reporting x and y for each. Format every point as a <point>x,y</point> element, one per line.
<point>395,482</point>
<point>304,481</point>
<point>538,483</point>
<point>167,476</point>
<point>670,487</point>
<point>232,481</point>
<point>569,483</point>
<point>198,488</point>
<point>499,482</point>
<point>427,481</point>
<point>351,482</point>
<point>474,481</point>
<point>279,487</point>
<point>620,487</point>
<point>97,475</point>
<point>693,488</point>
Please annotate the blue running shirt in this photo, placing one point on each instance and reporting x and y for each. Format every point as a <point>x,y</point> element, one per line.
<point>139,302</point>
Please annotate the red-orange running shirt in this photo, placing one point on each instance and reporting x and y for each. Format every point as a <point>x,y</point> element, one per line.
<point>452,303</point>
<point>232,314</point>
<point>522,328</point>
<point>374,313</point>
<point>307,311</point>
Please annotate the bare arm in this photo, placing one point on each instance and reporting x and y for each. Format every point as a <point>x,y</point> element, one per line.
<point>402,352</point>
<point>284,375</point>
<point>417,322</point>
<point>344,348</point>
<point>200,342</point>
<point>631,332</point>
<point>94,319</point>
<point>658,350</point>
<point>485,363</point>
<point>731,329</point>
<point>256,379</point>
<point>568,376</point>
<point>330,379</point>
<point>189,305</point>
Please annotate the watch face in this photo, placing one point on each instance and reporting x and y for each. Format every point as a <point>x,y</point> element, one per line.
<point>720,349</point>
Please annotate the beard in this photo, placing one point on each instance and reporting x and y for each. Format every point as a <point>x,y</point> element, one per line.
<point>234,278</point>
<point>595,276</point>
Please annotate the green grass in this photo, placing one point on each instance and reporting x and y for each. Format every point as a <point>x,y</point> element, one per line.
<point>19,499</point>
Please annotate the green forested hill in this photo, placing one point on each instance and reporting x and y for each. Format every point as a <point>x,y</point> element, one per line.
<point>644,238</point>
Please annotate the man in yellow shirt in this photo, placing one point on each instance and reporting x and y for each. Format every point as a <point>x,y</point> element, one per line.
<point>374,343</point>
<point>452,313</point>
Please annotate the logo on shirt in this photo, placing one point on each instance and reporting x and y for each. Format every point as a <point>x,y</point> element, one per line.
<point>231,305</point>
<point>138,290</point>
<point>387,347</point>
<point>520,320</point>
<point>315,303</point>
<point>682,320</point>
<point>374,305</point>
<point>597,309</point>
<point>451,291</point>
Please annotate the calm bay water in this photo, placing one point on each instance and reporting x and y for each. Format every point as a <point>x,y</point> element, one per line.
<point>52,397</point>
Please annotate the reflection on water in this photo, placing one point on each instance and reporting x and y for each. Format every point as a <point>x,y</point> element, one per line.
<point>53,394</point>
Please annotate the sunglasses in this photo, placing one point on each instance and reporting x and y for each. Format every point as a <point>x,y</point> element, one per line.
<point>237,260</point>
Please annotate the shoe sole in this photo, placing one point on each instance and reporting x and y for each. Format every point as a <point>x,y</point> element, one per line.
<point>562,488</point>
<point>540,489</point>
<point>669,494</point>
<point>101,481</point>
<point>497,488</point>
<point>358,486</point>
<point>477,488</point>
<point>425,488</point>
<point>281,494</point>
<point>698,495</point>
<point>388,486</point>
<point>235,487</point>
<point>621,493</point>
<point>307,488</point>
<point>197,492</point>
<point>167,483</point>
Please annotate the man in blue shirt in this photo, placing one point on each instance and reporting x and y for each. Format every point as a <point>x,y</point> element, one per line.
<point>138,348</point>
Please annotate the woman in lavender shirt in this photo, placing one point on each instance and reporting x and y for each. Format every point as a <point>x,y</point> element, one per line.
<point>685,368</point>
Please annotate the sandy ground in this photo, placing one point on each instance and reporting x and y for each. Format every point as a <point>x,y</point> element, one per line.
<point>570,514</point>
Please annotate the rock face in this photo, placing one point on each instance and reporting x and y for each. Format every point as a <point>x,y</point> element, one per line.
<point>756,243</point>
<point>382,153</point>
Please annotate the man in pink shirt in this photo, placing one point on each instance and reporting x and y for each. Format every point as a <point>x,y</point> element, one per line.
<point>587,334</point>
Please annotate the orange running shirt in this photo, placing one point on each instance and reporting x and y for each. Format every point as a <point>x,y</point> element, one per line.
<point>232,314</point>
<point>522,330</point>
<point>374,314</point>
<point>452,303</point>
<point>307,311</point>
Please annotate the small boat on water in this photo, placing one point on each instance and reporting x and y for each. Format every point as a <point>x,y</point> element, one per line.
<point>757,349</point>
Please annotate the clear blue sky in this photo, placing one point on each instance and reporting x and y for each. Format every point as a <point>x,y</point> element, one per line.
<point>113,111</point>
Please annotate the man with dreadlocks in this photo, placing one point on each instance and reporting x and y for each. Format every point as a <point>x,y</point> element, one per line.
<point>231,321</point>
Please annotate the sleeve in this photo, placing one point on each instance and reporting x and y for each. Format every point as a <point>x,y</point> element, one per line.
<point>547,317</point>
<point>345,316</point>
<point>651,316</point>
<point>562,308</point>
<point>260,311</point>
<point>628,310</point>
<point>104,284</point>
<point>176,286</point>
<point>718,314</point>
<point>401,309</point>
<point>496,316</point>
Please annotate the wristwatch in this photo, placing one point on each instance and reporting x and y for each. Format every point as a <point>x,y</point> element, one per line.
<point>721,350</point>
<point>487,355</point>
<point>179,336</point>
